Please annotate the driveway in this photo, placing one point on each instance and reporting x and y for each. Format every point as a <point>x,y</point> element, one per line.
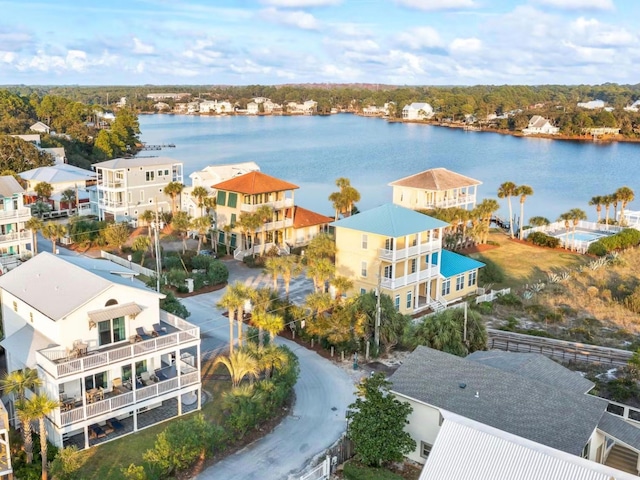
<point>323,392</point>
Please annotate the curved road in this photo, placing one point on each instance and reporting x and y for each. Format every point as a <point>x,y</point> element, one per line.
<point>323,393</point>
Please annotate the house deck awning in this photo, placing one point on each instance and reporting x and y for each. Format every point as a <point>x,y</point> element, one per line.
<point>114,312</point>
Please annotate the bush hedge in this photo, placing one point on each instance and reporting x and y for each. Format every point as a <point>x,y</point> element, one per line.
<point>629,237</point>
<point>353,471</point>
<point>543,240</point>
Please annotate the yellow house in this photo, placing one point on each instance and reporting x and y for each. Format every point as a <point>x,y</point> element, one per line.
<point>435,188</point>
<point>400,251</point>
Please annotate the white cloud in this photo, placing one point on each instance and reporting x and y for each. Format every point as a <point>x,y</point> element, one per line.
<point>420,38</point>
<point>72,61</point>
<point>577,4</point>
<point>298,19</point>
<point>7,57</point>
<point>438,4</point>
<point>340,72</point>
<point>142,48</point>
<point>594,33</point>
<point>466,45</point>
<point>301,3</point>
<point>359,45</point>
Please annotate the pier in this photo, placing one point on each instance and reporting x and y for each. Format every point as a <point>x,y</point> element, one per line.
<point>157,147</point>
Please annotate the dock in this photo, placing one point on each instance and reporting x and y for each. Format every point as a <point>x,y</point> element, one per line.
<point>157,147</point>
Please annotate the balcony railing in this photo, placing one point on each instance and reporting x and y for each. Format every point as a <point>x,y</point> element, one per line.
<point>56,362</point>
<point>410,279</point>
<point>270,226</point>
<point>111,185</point>
<point>111,204</point>
<point>401,254</point>
<point>15,214</point>
<point>277,205</point>
<point>112,404</point>
<point>452,202</point>
<point>15,237</point>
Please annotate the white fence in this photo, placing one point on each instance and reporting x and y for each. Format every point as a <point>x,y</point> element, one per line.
<point>491,296</point>
<point>130,265</point>
<point>321,472</point>
<point>557,228</point>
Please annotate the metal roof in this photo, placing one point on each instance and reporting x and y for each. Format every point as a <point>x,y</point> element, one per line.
<point>24,343</point>
<point>471,451</point>
<point>131,308</point>
<point>513,403</point>
<point>136,162</point>
<point>9,186</point>
<point>58,174</point>
<point>454,264</point>
<point>390,220</point>
<point>535,366</point>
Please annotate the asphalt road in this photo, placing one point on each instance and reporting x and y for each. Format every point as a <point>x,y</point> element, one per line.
<point>323,392</point>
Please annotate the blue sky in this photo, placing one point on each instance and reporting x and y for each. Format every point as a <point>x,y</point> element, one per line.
<point>240,42</point>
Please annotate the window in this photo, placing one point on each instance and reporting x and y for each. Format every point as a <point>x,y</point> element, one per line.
<point>222,198</point>
<point>126,370</point>
<point>472,278</point>
<point>363,291</point>
<point>166,172</point>
<point>409,299</point>
<point>233,220</point>
<point>388,244</point>
<point>397,302</point>
<point>434,258</point>
<point>365,241</point>
<point>111,331</point>
<point>233,200</point>
<point>446,287</point>
<point>585,451</point>
<point>425,449</point>
<point>159,173</point>
<point>413,265</point>
<point>96,380</point>
<point>150,176</point>
<point>459,282</point>
<point>363,269</point>
<point>388,271</point>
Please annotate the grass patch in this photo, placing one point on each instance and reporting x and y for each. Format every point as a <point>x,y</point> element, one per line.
<point>354,471</point>
<point>521,263</point>
<point>105,462</point>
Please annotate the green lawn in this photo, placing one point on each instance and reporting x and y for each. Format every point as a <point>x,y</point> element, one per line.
<point>105,462</point>
<point>524,263</point>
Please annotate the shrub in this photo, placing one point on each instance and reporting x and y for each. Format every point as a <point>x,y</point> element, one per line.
<point>134,472</point>
<point>491,273</point>
<point>622,389</point>
<point>172,262</point>
<point>217,272</point>
<point>176,277</point>
<point>66,463</point>
<point>509,299</point>
<point>353,471</point>
<point>172,305</point>
<point>629,237</point>
<point>543,240</point>
<point>598,249</point>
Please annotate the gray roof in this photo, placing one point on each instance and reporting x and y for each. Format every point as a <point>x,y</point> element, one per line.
<point>9,186</point>
<point>620,430</point>
<point>24,344</point>
<point>58,174</point>
<point>56,286</point>
<point>516,404</point>
<point>136,162</point>
<point>536,367</point>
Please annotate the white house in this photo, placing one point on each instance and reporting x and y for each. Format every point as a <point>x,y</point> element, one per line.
<point>6,470</point>
<point>523,395</point>
<point>101,345</point>
<point>214,106</point>
<point>40,127</point>
<point>540,126</point>
<point>31,138</point>
<point>167,96</point>
<point>58,154</point>
<point>634,107</point>
<point>591,104</point>
<point>417,111</point>
<point>252,108</point>
<point>16,242</point>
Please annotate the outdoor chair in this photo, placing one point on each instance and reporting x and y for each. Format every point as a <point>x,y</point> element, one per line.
<point>142,333</point>
<point>116,385</point>
<point>158,330</point>
<point>115,424</point>
<point>147,378</point>
<point>96,431</point>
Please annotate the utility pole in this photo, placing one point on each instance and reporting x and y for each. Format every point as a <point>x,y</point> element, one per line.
<point>376,334</point>
<point>464,334</point>
<point>157,247</point>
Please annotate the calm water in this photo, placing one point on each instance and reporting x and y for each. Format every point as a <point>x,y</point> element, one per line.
<point>313,151</point>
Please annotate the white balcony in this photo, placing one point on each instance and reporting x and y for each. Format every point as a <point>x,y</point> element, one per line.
<point>57,363</point>
<point>111,204</point>
<point>459,201</point>
<point>402,253</point>
<point>410,279</point>
<point>15,237</point>
<point>280,224</point>
<point>21,214</point>
<point>118,185</point>
<point>278,205</point>
<point>124,399</point>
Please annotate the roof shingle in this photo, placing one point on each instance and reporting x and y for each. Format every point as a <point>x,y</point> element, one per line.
<point>437,179</point>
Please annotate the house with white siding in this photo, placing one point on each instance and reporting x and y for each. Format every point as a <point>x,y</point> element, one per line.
<point>417,111</point>
<point>539,125</point>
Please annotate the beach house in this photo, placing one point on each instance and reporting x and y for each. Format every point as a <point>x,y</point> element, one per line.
<point>539,125</point>
<point>417,111</point>
<point>101,345</point>
<point>399,251</point>
<point>16,241</point>
<point>435,188</point>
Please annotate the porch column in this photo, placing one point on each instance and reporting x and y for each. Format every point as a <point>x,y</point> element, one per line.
<point>180,403</point>
<point>86,436</point>
<point>135,419</point>
<point>178,373</point>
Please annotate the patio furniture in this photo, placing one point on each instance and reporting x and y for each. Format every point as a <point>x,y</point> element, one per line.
<point>147,378</point>
<point>115,424</point>
<point>96,431</point>
<point>142,334</point>
<point>158,330</point>
<point>116,386</point>
<point>108,428</point>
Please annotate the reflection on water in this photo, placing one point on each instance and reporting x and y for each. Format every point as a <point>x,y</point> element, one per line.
<point>313,151</point>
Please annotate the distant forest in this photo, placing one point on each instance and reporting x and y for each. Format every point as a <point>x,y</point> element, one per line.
<point>72,109</point>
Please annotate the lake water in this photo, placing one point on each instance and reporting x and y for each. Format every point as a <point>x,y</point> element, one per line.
<point>313,151</point>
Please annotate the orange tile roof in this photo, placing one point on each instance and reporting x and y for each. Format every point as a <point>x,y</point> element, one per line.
<point>436,179</point>
<point>306,218</point>
<point>253,183</point>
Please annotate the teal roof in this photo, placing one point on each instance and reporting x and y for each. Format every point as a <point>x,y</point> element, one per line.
<point>452,264</point>
<point>390,220</point>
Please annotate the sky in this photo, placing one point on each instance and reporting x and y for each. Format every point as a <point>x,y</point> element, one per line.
<point>268,42</point>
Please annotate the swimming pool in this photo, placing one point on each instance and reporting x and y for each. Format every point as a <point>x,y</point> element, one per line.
<point>581,236</point>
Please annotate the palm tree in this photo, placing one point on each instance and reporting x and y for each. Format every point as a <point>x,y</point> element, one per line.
<point>607,200</point>
<point>173,189</point>
<point>181,223</point>
<point>202,225</point>
<point>508,190</point>
<point>147,217</point>
<point>272,358</point>
<point>249,223</point>
<point>614,202</point>
<point>142,243</point>
<point>291,267</point>
<point>54,231</point>
<point>320,271</point>
<point>597,202</point>
<point>338,203</point>
<point>231,301</point>
<point>200,193</point>
<point>68,196</point>
<point>485,210</point>
<point>273,324</point>
<point>567,218</point>
<point>341,285</point>
<point>576,214</point>
<point>264,213</point>
<point>318,302</point>
<point>344,200</point>
<point>523,191</point>
<point>239,364</point>
<point>39,407</point>
<point>19,381</point>
<point>35,225</point>
<point>25,416</point>
<point>624,196</point>
<point>261,299</point>
<point>40,208</point>
<point>274,266</point>
<point>43,190</point>
<point>539,221</point>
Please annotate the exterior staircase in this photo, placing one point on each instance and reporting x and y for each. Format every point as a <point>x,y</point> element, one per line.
<point>623,459</point>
